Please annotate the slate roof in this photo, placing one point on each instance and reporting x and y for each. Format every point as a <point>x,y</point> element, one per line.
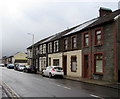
<point>96,21</point>
<point>88,24</point>
<point>52,38</point>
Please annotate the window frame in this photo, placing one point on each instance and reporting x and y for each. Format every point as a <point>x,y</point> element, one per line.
<point>95,36</point>
<point>50,47</point>
<point>44,48</point>
<point>41,49</point>
<point>94,61</point>
<point>73,61</point>
<point>58,62</point>
<point>65,44</point>
<point>56,46</point>
<point>83,39</point>
<point>72,43</point>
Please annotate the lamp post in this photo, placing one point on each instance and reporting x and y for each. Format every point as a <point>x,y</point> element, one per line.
<point>32,47</point>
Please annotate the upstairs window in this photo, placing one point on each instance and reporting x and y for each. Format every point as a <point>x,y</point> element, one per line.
<point>44,48</point>
<point>36,50</point>
<point>74,42</point>
<point>56,46</point>
<point>41,49</point>
<point>50,47</point>
<point>98,37</point>
<point>66,44</point>
<point>85,39</point>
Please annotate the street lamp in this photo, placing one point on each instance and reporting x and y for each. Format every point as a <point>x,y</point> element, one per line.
<point>32,47</point>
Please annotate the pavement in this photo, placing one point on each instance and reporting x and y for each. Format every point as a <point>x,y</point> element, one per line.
<point>92,81</point>
<point>97,82</point>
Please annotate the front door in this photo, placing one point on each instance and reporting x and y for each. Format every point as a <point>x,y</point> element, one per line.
<point>65,65</point>
<point>86,66</point>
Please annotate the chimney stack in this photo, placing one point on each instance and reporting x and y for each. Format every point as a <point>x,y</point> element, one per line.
<point>104,11</point>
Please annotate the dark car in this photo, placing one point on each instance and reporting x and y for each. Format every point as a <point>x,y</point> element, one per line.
<point>30,68</point>
<point>10,66</point>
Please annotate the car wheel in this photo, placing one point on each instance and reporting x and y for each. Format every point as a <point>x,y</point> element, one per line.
<point>43,74</point>
<point>50,75</point>
<point>27,71</point>
<point>61,77</point>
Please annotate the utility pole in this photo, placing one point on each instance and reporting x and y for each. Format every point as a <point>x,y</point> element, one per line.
<point>32,48</point>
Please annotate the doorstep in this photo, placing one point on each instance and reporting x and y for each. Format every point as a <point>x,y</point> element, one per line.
<point>96,82</point>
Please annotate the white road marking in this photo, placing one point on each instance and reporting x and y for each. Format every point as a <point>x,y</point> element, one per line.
<point>58,85</point>
<point>96,96</point>
<point>67,88</point>
<point>64,87</point>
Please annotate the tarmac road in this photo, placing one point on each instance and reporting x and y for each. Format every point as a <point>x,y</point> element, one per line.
<point>34,85</point>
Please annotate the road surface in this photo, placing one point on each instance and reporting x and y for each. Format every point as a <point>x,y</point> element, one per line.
<point>34,85</point>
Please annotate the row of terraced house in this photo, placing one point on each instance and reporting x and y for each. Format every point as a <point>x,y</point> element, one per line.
<point>89,50</point>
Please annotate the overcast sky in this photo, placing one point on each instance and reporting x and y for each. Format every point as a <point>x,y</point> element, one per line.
<point>43,18</point>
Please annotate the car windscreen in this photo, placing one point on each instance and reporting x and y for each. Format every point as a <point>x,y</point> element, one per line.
<point>10,64</point>
<point>28,66</point>
<point>58,68</point>
<point>22,65</point>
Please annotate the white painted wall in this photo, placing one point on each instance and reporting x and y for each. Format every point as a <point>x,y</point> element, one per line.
<point>55,56</point>
<point>78,54</point>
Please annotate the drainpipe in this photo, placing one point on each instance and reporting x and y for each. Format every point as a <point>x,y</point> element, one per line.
<point>91,67</point>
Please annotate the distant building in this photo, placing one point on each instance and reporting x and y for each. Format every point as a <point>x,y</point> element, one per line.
<point>20,58</point>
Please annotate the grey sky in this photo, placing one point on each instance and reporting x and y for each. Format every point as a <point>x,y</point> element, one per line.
<point>43,18</point>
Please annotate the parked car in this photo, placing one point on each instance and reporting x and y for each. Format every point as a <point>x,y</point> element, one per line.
<point>10,66</point>
<point>16,66</point>
<point>53,71</point>
<point>2,65</point>
<point>30,68</point>
<point>20,67</point>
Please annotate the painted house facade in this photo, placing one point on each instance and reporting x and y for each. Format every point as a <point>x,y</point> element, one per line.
<point>89,50</point>
<point>20,58</point>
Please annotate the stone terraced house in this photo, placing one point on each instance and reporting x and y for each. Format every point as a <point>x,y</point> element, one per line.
<point>89,50</point>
